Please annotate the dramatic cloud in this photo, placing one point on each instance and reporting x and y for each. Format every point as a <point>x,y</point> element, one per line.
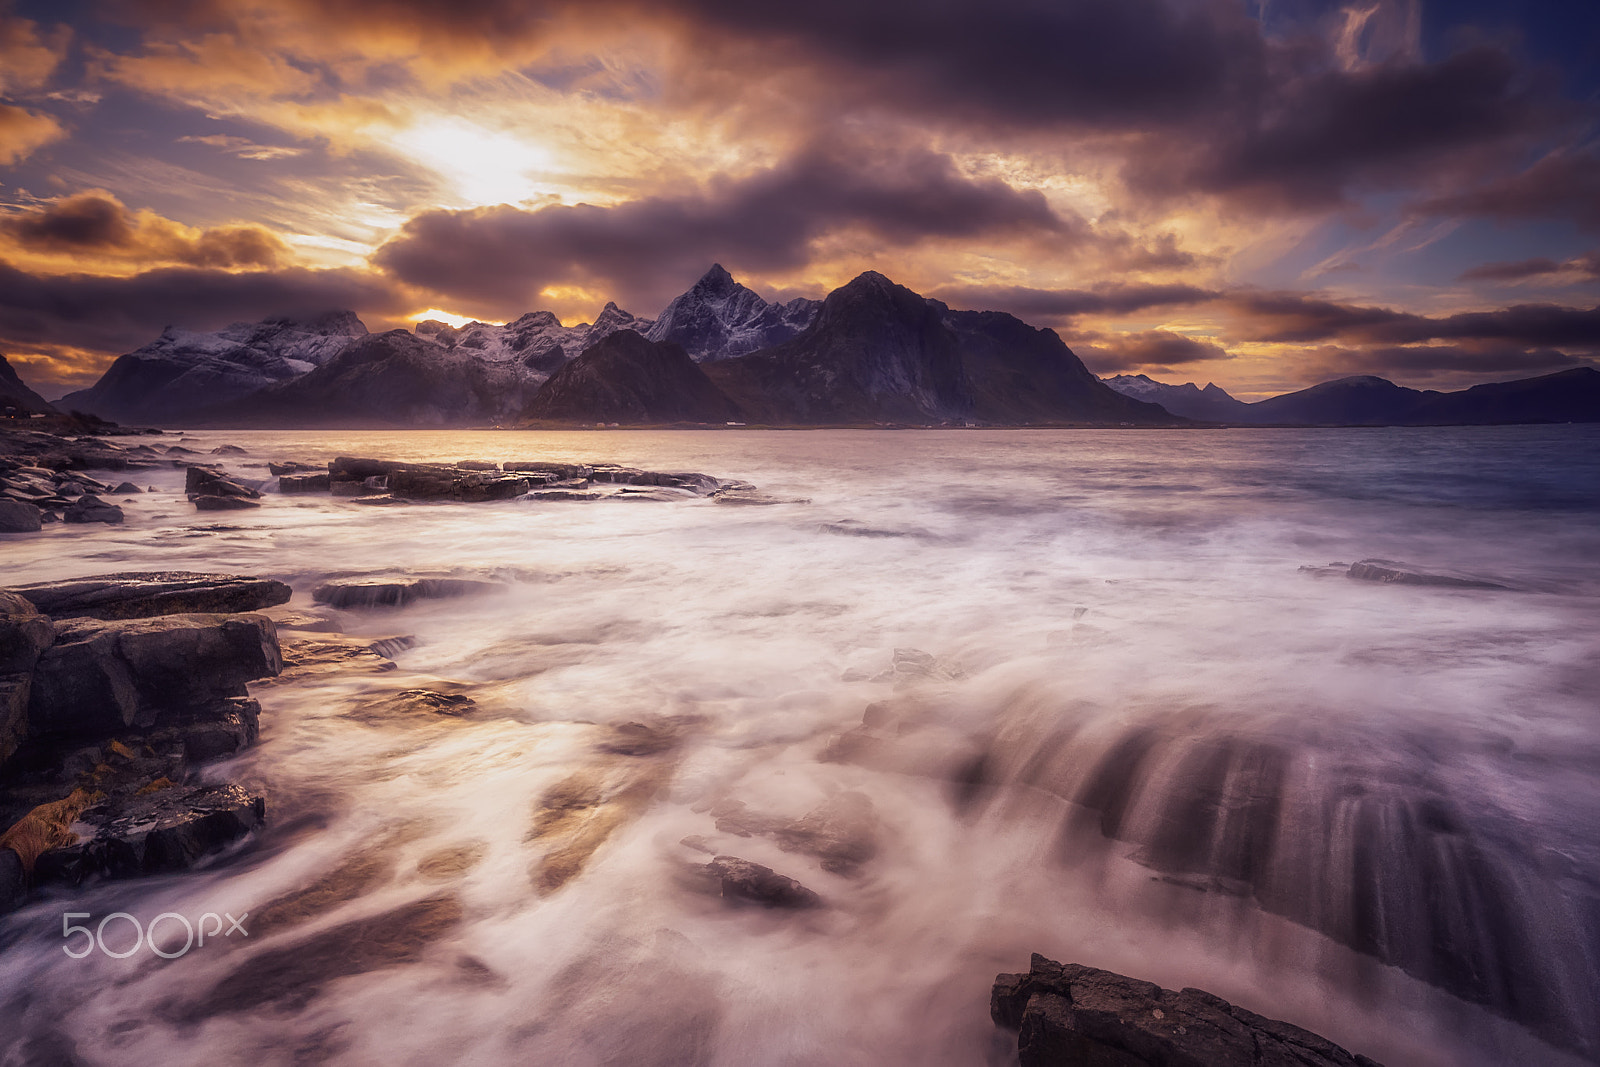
<point>98,225</point>
<point>1342,128</point>
<point>1110,354</point>
<point>110,315</point>
<point>1580,267</point>
<point>1558,186</point>
<point>1292,317</point>
<point>1059,306</point>
<point>27,56</point>
<point>641,250</point>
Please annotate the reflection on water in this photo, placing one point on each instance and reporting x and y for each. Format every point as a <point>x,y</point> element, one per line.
<point>1147,742</point>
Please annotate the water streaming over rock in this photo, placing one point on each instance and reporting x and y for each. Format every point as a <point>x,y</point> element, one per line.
<point>1123,727</point>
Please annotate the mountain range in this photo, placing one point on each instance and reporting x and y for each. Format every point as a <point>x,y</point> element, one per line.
<point>17,398</point>
<point>1571,395</point>
<point>871,352</point>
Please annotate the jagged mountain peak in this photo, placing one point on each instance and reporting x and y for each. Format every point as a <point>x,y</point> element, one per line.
<point>719,318</point>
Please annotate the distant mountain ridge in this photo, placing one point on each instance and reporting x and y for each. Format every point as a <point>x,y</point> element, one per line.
<point>1571,395</point>
<point>717,318</point>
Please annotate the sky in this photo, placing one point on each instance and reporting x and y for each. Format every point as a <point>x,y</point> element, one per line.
<point>1259,193</point>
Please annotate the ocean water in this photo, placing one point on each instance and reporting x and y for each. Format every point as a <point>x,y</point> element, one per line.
<point>1149,741</point>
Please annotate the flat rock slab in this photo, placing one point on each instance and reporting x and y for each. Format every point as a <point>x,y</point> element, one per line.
<point>1069,1015</point>
<point>396,592</point>
<point>168,830</point>
<point>1396,573</point>
<point>140,595</point>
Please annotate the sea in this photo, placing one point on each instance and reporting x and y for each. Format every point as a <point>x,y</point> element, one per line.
<point>1104,695</point>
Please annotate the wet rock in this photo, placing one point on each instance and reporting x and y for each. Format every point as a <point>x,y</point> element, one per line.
<point>578,814</point>
<point>277,470</point>
<point>143,594</point>
<point>13,881</point>
<point>202,481</point>
<point>126,489</point>
<point>229,450</point>
<point>1070,1015</point>
<point>741,880</point>
<point>1391,572</point>
<point>222,729</point>
<point>90,508</point>
<point>565,471</point>
<point>304,483</point>
<point>396,592</point>
<point>100,677</point>
<point>857,528</point>
<point>842,832</point>
<point>476,465</point>
<point>749,495</point>
<point>305,622</point>
<point>18,517</point>
<point>224,503</point>
<point>14,693</point>
<point>413,704</point>
<point>167,830</point>
<point>24,633</point>
<point>291,975</point>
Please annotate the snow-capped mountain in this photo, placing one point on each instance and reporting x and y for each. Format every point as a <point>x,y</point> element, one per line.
<point>1211,404</point>
<point>536,341</point>
<point>185,370</point>
<point>718,318</point>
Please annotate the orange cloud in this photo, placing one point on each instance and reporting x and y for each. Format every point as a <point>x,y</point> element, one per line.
<point>26,59</point>
<point>96,228</point>
<point>23,131</point>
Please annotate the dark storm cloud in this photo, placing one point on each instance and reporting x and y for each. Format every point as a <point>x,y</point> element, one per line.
<point>1295,318</point>
<point>95,224</point>
<point>1558,186</point>
<point>1341,129</point>
<point>1586,265</point>
<point>113,315</point>
<point>1111,353</point>
<point>1059,305</point>
<point>640,250</point>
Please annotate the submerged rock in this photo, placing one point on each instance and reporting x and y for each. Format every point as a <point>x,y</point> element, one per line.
<point>142,594</point>
<point>1075,1016</point>
<point>396,592</point>
<point>224,503</point>
<point>1392,572</point>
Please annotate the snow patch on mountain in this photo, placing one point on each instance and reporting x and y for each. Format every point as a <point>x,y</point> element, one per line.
<point>718,318</point>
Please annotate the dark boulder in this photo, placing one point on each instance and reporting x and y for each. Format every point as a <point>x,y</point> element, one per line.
<point>101,677</point>
<point>743,881</point>
<point>1070,1015</point>
<point>202,481</point>
<point>165,830</point>
<point>126,489</point>
<point>18,517</point>
<point>90,508</point>
<point>142,594</point>
<point>13,881</point>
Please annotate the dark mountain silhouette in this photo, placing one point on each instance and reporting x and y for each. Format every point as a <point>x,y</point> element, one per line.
<point>878,352</point>
<point>627,379</point>
<point>17,397</point>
